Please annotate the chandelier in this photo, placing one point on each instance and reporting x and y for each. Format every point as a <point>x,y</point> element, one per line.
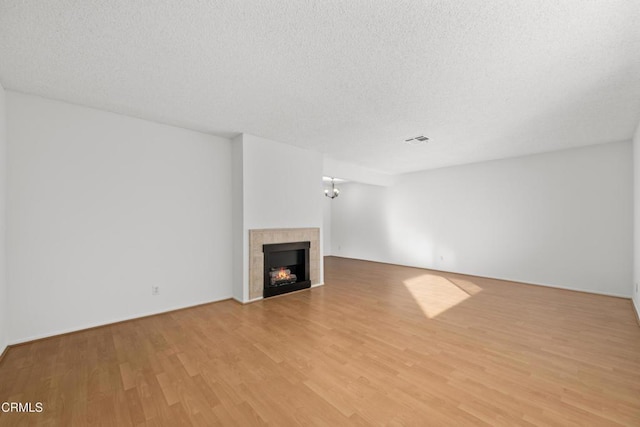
<point>334,192</point>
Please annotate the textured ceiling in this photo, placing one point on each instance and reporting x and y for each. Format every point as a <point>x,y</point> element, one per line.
<point>352,79</point>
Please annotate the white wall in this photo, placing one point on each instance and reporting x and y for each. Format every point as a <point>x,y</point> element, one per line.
<point>239,262</point>
<point>281,188</point>
<point>3,185</point>
<point>326,226</point>
<point>346,171</point>
<point>562,219</point>
<point>102,207</point>
<point>337,169</point>
<point>282,185</point>
<point>636,217</point>
<point>359,222</point>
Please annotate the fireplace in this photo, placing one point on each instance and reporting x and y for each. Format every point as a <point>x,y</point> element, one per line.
<point>267,236</point>
<point>286,268</point>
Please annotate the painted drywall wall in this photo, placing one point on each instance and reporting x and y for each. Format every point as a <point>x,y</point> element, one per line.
<point>348,171</point>
<point>636,220</point>
<point>240,253</point>
<point>562,219</point>
<point>359,222</point>
<point>3,185</point>
<point>281,187</point>
<point>326,226</point>
<point>101,208</point>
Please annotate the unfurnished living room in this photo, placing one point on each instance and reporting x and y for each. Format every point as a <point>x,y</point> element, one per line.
<point>418,213</point>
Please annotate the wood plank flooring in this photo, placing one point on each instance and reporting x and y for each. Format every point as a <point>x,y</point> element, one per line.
<point>377,345</point>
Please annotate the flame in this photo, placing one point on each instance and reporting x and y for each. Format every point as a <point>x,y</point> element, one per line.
<point>282,274</point>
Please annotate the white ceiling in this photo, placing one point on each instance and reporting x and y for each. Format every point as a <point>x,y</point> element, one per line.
<point>352,79</point>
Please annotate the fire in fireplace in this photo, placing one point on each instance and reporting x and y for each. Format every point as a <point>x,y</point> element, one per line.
<point>286,268</point>
<point>282,276</point>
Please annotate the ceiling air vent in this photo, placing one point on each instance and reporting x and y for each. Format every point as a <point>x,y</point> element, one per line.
<point>416,140</point>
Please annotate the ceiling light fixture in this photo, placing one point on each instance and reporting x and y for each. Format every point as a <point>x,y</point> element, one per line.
<point>416,140</point>
<point>334,191</point>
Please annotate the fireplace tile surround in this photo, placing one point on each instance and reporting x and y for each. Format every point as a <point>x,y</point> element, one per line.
<point>259,237</point>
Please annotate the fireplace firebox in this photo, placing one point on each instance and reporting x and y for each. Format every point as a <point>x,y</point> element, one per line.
<point>286,268</point>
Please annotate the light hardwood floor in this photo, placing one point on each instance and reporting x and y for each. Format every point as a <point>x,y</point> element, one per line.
<point>378,345</point>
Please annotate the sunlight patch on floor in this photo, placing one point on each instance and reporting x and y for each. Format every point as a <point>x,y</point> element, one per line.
<point>436,294</point>
<point>466,285</point>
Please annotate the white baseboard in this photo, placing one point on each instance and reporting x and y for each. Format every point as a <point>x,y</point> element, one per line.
<point>249,301</point>
<point>3,351</point>
<point>107,323</point>
<point>588,291</point>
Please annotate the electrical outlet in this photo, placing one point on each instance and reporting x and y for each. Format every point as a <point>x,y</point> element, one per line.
<point>636,287</point>
<point>155,290</point>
